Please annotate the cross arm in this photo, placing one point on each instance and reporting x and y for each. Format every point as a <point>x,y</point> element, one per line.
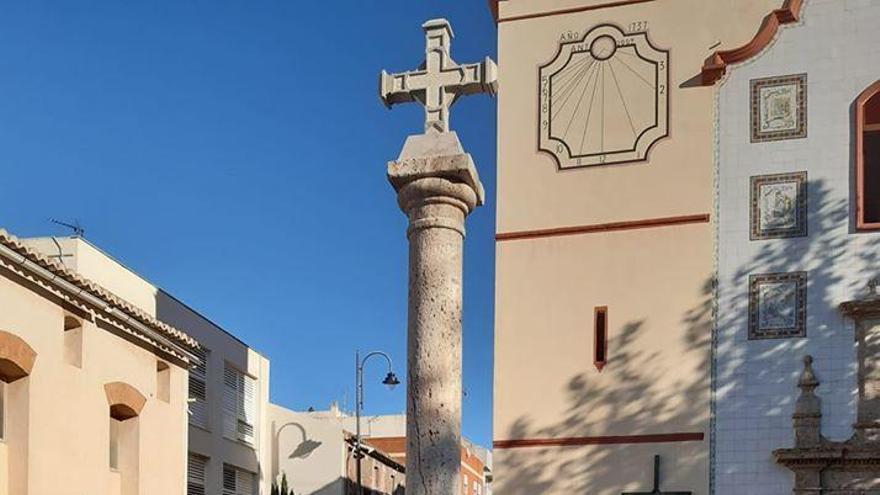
<point>396,88</point>
<point>476,78</point>
<point>460,80</point>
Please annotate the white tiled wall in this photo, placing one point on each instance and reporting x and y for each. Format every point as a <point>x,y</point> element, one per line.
<point>837,45</point>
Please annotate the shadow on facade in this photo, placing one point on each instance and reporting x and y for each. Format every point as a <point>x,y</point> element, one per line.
<point>632,396</point>
<point>223,348</point>
<point>343,486</point>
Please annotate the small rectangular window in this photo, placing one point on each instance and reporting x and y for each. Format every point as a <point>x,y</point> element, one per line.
<point>2,410</point>
<point>600,339</point>
<point>163,381</point>
<point>73,341</point>
<point>114,444</point>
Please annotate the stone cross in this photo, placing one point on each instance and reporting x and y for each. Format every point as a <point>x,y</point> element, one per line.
<point>437,187</point>
<point>439,80</point>
<point>656,490</point>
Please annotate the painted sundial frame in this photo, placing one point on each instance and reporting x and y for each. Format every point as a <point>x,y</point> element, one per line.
<point>644,137</point>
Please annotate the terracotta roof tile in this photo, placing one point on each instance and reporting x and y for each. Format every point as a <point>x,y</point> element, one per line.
<point>58,269</point>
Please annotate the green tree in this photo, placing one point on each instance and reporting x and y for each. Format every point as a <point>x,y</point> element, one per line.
<point>282,489</point>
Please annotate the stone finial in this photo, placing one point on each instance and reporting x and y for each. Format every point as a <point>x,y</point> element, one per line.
<point>808,409</point>
<point>808,381</point>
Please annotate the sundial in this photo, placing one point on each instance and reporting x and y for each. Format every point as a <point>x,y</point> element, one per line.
<point>604,98</point>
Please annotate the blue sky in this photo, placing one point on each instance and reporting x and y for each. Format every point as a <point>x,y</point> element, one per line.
<point>234,154</point>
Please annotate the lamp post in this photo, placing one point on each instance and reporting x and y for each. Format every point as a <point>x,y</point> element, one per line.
<point>390,380</point>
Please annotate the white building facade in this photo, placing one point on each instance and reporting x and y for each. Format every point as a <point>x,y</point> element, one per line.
<point>789,246</point>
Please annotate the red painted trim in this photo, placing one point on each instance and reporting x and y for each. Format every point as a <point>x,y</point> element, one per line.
<point>493,8</point>
<point>863,98</point>
<point>607,440</point>
<point>600,363</point>
<point>604,227</point>
<point>716,65</point>
<point>618,3</point>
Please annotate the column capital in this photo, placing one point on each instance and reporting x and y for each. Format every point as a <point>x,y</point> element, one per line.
<point>436,155</point>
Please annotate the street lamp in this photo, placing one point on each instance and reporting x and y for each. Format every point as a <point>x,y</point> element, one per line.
<point>390,380</point>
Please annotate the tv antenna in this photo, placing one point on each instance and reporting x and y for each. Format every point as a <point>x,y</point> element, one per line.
<point>78,230</point>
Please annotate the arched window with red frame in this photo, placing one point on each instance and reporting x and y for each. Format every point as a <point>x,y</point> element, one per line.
<point>868,158</point>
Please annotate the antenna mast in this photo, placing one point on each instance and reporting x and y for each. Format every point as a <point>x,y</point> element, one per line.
<point>78,230</point>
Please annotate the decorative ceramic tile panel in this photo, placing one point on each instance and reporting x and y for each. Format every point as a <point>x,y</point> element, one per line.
<point>779,108</point>
<point>754,390</point>
<point>777,305</point>
<point>778,206</point>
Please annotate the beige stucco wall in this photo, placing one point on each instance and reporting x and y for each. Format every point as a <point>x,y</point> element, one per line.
<point>656,379</point>
<point>66,421</point>
<point>310,471</point>
<point>94,264</point>
<point>87,259</point>
<point>4,469</point>
<point>655,282</point>
<point>678,178</point>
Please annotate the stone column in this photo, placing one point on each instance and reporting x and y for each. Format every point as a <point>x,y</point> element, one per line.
<point>437,187</point>
<point>868,417</point>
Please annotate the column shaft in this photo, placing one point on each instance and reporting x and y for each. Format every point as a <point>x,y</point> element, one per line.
<point>434,345</point>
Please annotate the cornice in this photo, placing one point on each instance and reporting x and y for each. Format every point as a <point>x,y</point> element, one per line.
<point>493,8</point>
<point>859,309</point>
<point>716,65</point>
<point>107,306</point>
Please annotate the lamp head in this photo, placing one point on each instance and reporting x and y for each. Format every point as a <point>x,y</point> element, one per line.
<point>391,380</point>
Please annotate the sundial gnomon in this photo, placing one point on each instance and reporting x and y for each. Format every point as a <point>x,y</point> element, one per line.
<point>603,98</point>
<point>656,488</point>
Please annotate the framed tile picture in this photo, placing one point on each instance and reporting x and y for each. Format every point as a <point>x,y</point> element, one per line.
<point>779,108</point>
<point>778,206</point>
<point>777,305</point>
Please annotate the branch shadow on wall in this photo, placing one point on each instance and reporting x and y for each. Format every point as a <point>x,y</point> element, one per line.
<point>632,396</point>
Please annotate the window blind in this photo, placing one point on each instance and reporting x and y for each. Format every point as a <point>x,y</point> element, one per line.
<point>238,481</point>
<point>239,405</point>
<point>196,467</point>
<point>198,390</point>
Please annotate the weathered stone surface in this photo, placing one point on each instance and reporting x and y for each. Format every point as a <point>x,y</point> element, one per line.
<point>437,192</point>
<point>823,467</point>
<point>439,82</point>
<point>437,187</point>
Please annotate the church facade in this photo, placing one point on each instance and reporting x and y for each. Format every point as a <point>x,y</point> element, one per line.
<point>793,239</point>
<point>685,200</point>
